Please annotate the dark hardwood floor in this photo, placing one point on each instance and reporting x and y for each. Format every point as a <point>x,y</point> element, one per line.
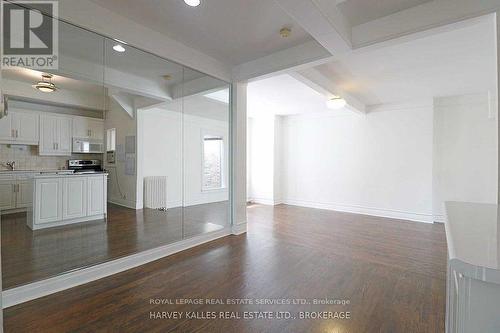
<point>392,272</point>
<point>28,256</point>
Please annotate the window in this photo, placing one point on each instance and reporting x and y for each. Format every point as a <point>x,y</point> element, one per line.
<point>111,139</point>
<point>213,152</point>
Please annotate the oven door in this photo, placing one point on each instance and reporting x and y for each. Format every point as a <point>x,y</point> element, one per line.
<point>87,146</point>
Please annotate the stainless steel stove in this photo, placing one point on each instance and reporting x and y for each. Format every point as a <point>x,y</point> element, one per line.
<point>85,166</point>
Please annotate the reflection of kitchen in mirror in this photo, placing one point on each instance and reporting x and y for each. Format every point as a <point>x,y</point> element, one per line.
<point>115,152</point>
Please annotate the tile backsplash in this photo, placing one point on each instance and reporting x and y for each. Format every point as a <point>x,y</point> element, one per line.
<point>27,158</point>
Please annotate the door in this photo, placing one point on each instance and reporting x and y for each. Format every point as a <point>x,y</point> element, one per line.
<point>74,197</point>
<point>6,133</point>
<point>49,200</point>
<point>7,195</point>
<point>96,196</point>
<point>24,194</point>
<point>64,127</point>
<point>81,127</point>
<point>96,129</point>
<point>48,135</point>
<point>26,126</point>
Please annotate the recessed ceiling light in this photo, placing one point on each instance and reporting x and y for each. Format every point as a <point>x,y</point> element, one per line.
<point>119,48</point>
<point>336,103</point>
<point>193,3</point>
<point>46,84</point>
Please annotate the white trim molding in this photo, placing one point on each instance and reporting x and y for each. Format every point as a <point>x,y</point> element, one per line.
<point>239,229</point>
<point>14,296</point>
<point>380,212</point>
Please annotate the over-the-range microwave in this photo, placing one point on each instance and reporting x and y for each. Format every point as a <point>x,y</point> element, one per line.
<point>88,146</point>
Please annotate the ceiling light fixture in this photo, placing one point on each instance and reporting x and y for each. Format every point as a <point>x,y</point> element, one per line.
<point>285,32</point>
<point>336,103</point>
<point>46,84</point>
<point>119,48</point>
<point>193,3</point>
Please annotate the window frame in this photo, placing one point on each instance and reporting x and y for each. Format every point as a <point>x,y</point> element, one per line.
<point>223,172</point>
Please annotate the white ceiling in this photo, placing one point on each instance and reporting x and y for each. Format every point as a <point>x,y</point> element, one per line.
<point>283,95</point>
<point>233,31</point>
<point>362,11</point>
<point>460,61</point>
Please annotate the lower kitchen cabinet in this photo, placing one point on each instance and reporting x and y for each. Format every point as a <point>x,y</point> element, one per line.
<point>16,193</point>
<point>75,198</point>
<point>67,199</point>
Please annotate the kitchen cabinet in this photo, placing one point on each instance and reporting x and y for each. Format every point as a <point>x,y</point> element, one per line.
<point>74,197</point>
<point>55,135</point>
<point>96,196</point>
<point>20,127</point>
<point>49,208</point>
<point>66,199</point>
<point>16,192</point>
<point>88,128</point>
<point>7,195</point>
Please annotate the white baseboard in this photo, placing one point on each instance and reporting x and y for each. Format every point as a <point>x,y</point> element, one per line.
<point>388,213</point>
<point>265,201</point>
<point>123,203</point>
<point>439,218</point>
<point>49,286</point>
<point>239,229</point>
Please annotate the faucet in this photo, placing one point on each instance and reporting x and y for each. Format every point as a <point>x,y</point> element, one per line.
<point>11,165</point>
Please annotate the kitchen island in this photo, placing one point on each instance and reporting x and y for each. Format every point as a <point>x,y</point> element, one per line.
<point>473,282</point>
<point>66,198</point>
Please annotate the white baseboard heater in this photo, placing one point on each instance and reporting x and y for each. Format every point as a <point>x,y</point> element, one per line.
<point>155,192</point>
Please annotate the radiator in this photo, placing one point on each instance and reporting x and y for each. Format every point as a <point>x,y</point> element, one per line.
<point>155,192</point>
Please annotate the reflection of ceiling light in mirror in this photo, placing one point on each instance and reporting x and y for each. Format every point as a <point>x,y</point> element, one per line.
<point>219,95</point>
<point>46,84</point>
<point>118,48</point>
<point>336,103</point>
<point>192,3</point>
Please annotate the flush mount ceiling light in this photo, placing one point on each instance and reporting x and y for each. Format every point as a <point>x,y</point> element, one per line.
<point>336,103</point>
<point>119,48</point>
<point>285,32</point>
<point>46,84</point>
<point>193,3</point>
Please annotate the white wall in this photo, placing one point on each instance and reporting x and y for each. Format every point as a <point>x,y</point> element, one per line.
<point>380,164</point>
<point>262,160</point>
<point>164,151</point>
<point>122,188</point>
<point>465,151</point>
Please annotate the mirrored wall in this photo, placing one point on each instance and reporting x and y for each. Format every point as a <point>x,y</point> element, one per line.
<point>115,152</point>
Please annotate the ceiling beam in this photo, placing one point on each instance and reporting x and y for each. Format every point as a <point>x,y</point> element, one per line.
<point>323,21</point>
<point>314,79</point>
<point>298,57</point>
<point>428,15</point>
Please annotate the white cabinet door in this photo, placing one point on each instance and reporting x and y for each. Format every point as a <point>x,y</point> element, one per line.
<point>64,128</point>
<point>24,194</point>
<point>96,195</point>
<point>74,197</point>
<point>81,127</point>
<point>49,200</point>
<point>55,135</point>
<point>6,133</point>
<point>7,195</point>
<point>48,135</point>
<point>96,128</point>
<point>26,126</point>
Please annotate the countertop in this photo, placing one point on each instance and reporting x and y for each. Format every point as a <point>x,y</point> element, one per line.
<point>473,237</point>
<point>61,173</point>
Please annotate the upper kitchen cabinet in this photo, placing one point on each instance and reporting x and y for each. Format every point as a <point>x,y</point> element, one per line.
<point>19,128</point>
<point>55,135</point>
<point>88,128</point>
